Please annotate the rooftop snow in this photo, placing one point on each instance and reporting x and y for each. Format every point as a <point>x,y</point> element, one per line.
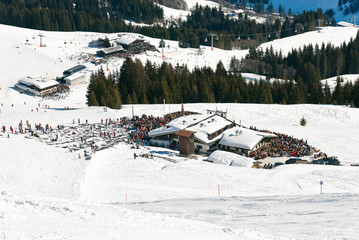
<point>75,76</point>
<point>177,124</point>
<point>112,49</point>
<point>203,125</point>
<point>243,138</point>
<point>210,125</point>
<point>125,39</point>
<point>38,83</point>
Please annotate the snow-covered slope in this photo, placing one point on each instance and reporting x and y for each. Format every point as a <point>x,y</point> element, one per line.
<point>328,35</point>
<point>49,193</point>
<point>192,3</point>
<point>332,82</point>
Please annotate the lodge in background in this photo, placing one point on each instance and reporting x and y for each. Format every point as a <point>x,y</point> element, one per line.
<point>37,86</point>
<point>123,46</point>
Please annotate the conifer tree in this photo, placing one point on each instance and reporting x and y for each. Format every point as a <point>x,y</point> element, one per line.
<point>92,99</point>
<point>338,92</point>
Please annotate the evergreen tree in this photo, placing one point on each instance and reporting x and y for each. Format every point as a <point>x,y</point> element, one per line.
<point>106,43</point>
<point>338,92</point>
<point>92,99</point>
<point>303,122</point>
<point>327,94</point>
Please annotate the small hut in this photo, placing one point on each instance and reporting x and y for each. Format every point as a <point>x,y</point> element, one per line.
<point>186,142</point>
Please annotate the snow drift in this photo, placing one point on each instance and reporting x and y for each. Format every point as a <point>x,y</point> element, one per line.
<point>230,159</point>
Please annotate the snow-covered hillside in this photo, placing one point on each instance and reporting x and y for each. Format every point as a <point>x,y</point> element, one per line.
<point>332,82</point>
<point>327,35</point>
<point>47,192</point>
<point>64,50</point>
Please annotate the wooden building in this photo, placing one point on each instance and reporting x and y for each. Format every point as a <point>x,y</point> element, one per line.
<point>186,142</point>
<point>134,45</point>
<point>110,51</point>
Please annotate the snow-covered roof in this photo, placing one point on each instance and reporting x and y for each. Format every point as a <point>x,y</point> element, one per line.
<point>177,124</point>
<point>125,39</point>
<point>165,130</point>
<point>203,137</point>
<point>203,125</point>
<point>243,138</point>
<point>112,49</point>
<point>211,124</point>
<point>38,83</point>
<point>75,76</point>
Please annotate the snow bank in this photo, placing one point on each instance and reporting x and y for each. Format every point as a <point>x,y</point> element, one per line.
<point>230,159</point>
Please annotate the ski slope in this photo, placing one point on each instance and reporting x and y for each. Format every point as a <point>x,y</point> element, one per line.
<point>49,193</point>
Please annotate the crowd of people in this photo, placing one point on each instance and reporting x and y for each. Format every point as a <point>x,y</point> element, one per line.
<point>139,127</point>
<point>282,146</point>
